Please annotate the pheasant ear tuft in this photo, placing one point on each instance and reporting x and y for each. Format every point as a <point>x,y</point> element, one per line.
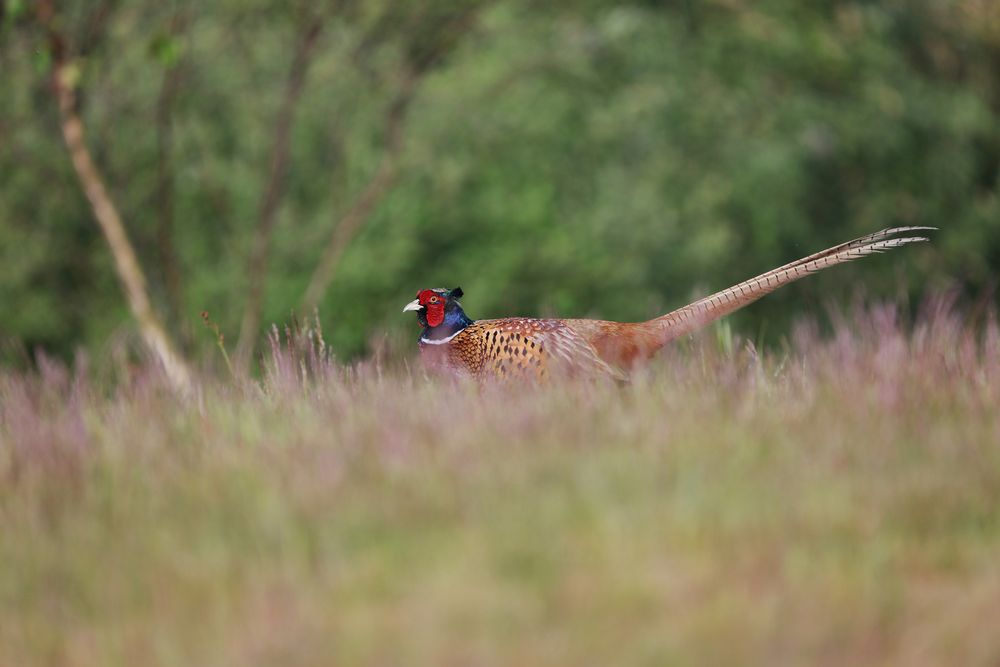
<point>456,293</point>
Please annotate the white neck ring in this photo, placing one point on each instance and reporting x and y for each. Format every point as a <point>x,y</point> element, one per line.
<point>428,341</point>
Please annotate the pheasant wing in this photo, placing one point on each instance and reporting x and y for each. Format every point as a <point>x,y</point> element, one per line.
<point>539,349</point>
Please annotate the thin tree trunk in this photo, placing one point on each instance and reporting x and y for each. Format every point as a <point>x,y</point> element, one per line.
<point>256,269</point>
<point>378,186</point>
<point>169,263</point>
<point>126,263</point>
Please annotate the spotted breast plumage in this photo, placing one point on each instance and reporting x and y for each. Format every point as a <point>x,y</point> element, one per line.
<point>530,349</point>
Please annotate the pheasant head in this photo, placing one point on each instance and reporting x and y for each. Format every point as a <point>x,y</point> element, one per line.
<point>439,313</point>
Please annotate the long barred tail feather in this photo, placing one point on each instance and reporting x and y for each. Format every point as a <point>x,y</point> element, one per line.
<point>692,317</point>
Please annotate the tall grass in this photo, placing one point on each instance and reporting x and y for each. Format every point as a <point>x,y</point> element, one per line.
<point>835,502</point>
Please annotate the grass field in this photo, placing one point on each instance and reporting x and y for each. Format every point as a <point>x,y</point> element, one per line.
<point>833,503</point>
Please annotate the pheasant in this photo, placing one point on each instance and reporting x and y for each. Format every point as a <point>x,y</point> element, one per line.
<point>522,348</point>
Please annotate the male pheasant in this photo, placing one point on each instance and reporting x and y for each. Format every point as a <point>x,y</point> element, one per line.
<point>517,348</point>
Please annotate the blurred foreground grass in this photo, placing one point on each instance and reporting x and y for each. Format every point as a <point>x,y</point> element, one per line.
<point>838,503</point>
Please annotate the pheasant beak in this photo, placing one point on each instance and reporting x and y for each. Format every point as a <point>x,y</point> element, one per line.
<point>413,305</point>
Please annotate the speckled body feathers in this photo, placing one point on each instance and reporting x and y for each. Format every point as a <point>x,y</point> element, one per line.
<point>518,348</point>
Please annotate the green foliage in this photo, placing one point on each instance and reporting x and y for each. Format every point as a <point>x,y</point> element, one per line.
<point>166,49</point>
<point>594,158</point>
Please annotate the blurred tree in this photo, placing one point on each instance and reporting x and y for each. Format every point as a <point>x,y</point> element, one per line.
<point>431,32</point>
<point>64,81</point>
<point>309,26</point>
<point>166,47</point>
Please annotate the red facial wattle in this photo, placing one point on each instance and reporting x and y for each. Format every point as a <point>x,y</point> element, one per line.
<point>434,313</point>
<point>433,304</point>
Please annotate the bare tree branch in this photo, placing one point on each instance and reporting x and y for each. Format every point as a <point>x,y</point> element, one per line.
<point>360,211</point>
<point>433,38</point>
<point>126,263</point>
<point>278,163</point>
